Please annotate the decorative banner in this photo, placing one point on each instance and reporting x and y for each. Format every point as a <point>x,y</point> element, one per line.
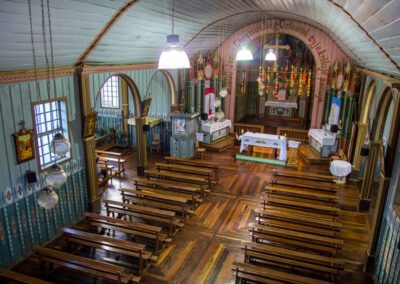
<point>335,111</point>
<point>209,98</point>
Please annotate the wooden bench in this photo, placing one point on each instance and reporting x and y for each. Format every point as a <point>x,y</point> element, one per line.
<point>297,217</point>
<point>111,245</point>
<point>120,163</point>
<point>134,228</point>
<point>188,169</point>
<point>191,179</point>
<point>170,186</point>
<point>296,239</point>
<point>292,258</point>
<point>146,213</point>
<point>195,163</point>
<point>245,271</point>
<point>330,210</point>
<point>85,265</point>
<point>304,175</point>
<point>108,153</point>
<point>312,195</point>
<point>322,186</point>
<point>9,276</point>
<point>300,211</point>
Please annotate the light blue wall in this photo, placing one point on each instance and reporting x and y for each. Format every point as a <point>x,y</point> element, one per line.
<point>23,223</point>
<point>387,263</point>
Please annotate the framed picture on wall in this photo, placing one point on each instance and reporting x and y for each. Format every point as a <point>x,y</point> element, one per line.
<point>146,106</point>
<point>90,124</point>
<point>24,145</point>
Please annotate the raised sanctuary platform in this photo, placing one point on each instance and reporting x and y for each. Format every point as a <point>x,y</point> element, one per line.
<point>310,156</point>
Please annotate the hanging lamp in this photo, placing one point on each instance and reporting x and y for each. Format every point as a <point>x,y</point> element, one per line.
<point>173,56</point>
<point>271,56</point>
<point>60,145</point>
<point>56,176</point>
<point>47,198</point>
<point>244,54</point>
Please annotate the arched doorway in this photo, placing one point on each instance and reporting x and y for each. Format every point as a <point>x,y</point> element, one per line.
<point>275,93</point>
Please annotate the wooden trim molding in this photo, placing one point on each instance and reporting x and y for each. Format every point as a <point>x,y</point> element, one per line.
<point>105,29</point>
<point>89,69</point>
<point>29,75</point>
<point>388,81</point>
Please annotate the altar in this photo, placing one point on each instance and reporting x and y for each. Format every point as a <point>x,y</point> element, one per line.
<point>323,142</point>
<point>281,107</point>
<point>215,130</point>
<point>266,141</point>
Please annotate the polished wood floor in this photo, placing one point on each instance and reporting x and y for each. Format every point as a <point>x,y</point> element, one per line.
<point>203,251</point>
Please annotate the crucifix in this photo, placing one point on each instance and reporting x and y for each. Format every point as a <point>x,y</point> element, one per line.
<point>276,46</point>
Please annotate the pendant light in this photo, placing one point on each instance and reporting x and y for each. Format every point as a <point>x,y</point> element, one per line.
<point>271,56</point>
<point>244,54</point>
<point>60,145</point>
<point>173,56</point>
<point>56,176</point>
<point>47,198</point>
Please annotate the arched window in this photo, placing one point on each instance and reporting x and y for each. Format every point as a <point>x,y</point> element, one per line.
<point>110,93</point>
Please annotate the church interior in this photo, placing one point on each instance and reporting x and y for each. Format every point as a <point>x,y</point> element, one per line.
<point>174,141</point>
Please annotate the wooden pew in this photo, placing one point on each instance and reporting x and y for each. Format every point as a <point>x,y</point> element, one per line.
<point>9,276</point>
<point>170,186</point>
<point>187,169</point>
<point>304,175</point>
<point>161,201</point>
<point>195,163</point>
<point>120,163</point>
<point>85,265</point>
<point>323,209</point>
<point>137,229</point>
<point>297,217</point>
<point>254,273</point>
<point>322,186</point>
<point>110,244</point>
<point>303,240</point>
<point>312,195</point>
<point>292,258</point>
<point>108,153</point>
<point>300,211</point>
<point>191,179</point>
<point>146,213</point>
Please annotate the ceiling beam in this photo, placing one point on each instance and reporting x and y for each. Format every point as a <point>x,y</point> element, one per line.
<point>105,29</point>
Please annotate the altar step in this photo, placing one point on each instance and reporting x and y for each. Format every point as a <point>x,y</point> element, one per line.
<point>220,145</point>
<point>306,153</point>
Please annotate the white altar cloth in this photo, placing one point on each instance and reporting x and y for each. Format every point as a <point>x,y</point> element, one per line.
<point>265,140</point>
<point>322,137</point>
<point>281,104</point>
<point>211,127</point>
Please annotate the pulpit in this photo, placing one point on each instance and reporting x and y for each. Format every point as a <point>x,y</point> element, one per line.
<point>183,136</point>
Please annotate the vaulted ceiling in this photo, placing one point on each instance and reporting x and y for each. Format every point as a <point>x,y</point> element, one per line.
<point>368,31</point>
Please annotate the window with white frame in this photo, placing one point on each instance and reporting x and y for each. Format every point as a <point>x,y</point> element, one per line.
<point>50,118</point>
<point>110,93</point>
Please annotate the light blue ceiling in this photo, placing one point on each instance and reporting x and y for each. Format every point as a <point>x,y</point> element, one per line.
<point>139,35</point>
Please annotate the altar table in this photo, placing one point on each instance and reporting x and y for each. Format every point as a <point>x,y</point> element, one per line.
<point>322,141</point>
<point>265,140</point>
<point>215,130</point>
<point>281,104</point>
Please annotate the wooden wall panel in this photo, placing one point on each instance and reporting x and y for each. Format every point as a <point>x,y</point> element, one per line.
<point>23,223</point>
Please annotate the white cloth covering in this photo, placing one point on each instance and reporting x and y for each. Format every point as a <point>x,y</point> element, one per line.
<point>322,137</point>
<point>293,144</point>
<point>281,104</point>
<point>211,127</point>
<point>265,140</point>
<point>340,168</point>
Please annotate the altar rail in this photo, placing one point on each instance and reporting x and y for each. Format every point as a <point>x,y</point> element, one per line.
<point>293,134</point>
<point>104,142</point>
<point>240,128</point>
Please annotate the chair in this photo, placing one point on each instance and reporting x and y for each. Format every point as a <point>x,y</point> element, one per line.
<point>156,143</point>
<point>200,152</point>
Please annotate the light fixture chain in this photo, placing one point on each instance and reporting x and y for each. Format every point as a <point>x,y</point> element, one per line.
<point>33,51</point>
<point>45,49</point>
<point>51,48</point>
<point>173,16</point>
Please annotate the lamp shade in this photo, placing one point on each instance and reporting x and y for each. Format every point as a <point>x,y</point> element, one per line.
<point>60,145</point>
<point>56,176</point>
<point>244,54</point>
<point>217,102</point>
<point>223,93</point>
<point>271,56</point>
<point>47,198</point>
<point>173,56</point>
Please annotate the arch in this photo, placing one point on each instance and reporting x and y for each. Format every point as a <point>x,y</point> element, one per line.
<point>171,84</point>
<point>132,87</point>
<point>382,111</point>
<point>367,103</point>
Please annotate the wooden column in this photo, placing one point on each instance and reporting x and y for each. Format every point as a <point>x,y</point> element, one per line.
<point>362,130</point>
<point>369,173</point>
<point>88,143</point>
<point>141,148</point>
<point>125,105</point>
<point>377,220</point>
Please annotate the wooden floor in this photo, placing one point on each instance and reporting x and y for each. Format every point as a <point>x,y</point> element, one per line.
<point>210,241</point>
